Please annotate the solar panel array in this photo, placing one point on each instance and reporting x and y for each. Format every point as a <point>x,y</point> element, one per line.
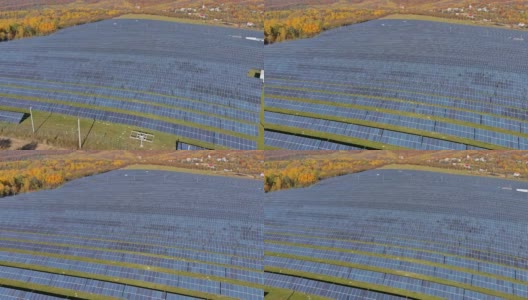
<point>184,79</point>
<point>401,83</point>
<point>282,140</point>
<point>385,234</point>
<point>184,146</point>
<point>135,234</point>
<point>11,117</point>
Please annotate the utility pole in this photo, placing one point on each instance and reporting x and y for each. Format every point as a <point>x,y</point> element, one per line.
<point>79,130</point>
<point>32,123</point>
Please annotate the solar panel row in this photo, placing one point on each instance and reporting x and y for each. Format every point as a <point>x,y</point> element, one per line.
<point>397,73</point>
<point>365,133</point>
<point>197,134</point>
<point>10,116</point>
<point>449,236</point>
<point>136,229</point>
<point>119,66</point>
<point>184,146</point>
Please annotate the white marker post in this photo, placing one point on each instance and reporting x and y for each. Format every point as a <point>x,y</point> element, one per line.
<point>79,130</point>
<point>32,123</point>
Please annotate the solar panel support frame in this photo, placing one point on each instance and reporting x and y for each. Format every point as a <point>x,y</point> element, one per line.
<point>142,137</point>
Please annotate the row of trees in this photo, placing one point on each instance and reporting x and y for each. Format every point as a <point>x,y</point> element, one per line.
<point>288,25</point>
<point>21,24</point>
<point>305,170</point>
<point>286,174</point>
<point>35,174</point>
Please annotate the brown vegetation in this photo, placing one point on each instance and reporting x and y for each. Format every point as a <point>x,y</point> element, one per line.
<point>293,19</point>
<point>23,19</point>
<point>294,24</point>
<point>23,171</point>
<point>28,23</point>
<point>285,170</point>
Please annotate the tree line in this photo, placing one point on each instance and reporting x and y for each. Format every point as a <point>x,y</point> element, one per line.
<point>32,175</point>
<point>290,24</point>
<point>27,23</point>
<point>294,24</point>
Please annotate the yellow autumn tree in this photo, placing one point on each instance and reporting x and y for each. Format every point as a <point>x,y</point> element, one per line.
<point>54,179</point>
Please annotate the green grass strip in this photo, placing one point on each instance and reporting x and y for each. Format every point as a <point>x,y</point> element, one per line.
<point>332,137</point>
<point>134,113</point>
<point>274,293</point>
<point>351,283</point>
<point>180,20</point>
<point>416,93</point>
<point>377,255</point>
<point>445,19</point>
<point>122,242</point>
<point>125,252</point>
<point>14,109</point>
<point>127,90</point>
<point>396,246</point>
<point>278,295</point>
<point>72,121</point>
<point>435,135</point>
<point>106,278</point>
<point>398,113</point>
<point>53,291</point>
<point>163,105</point>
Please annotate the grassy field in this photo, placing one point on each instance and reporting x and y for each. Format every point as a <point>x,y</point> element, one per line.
<point>179,20</point>
<point>437,170</point>
<point>190,171</point>
<point>445,20</point>
<point>60,131</point>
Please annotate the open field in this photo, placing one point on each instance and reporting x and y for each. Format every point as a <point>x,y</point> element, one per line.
<point>197,92</point>
<point>130,234</point>
<point>179,20</point>
<point>445,20</point>
<point>398,84</point>
<point>399,234</point>
<point>60,131</point>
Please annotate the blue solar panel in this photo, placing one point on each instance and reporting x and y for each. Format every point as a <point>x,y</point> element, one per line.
<point>134,225</point>
<point>399,66</point>
<point>11,117</point>
<point>363,227</point>
<point>184,146</point>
